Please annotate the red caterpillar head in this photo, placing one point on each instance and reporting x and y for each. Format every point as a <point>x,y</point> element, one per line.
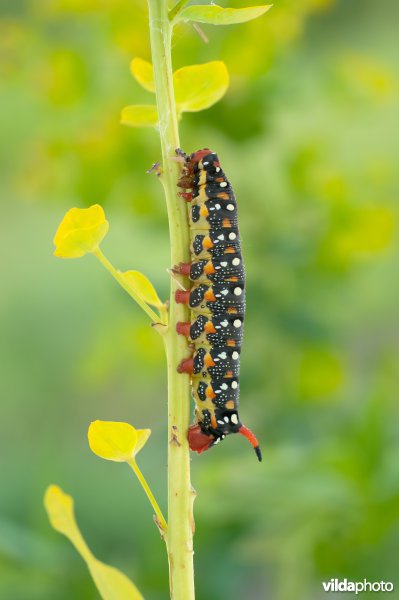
<point>200,441</point>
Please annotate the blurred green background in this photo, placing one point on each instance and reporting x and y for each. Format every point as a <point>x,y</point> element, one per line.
<point>308,134</point>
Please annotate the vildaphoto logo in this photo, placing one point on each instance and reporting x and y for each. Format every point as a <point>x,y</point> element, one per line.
<point>335,585</point>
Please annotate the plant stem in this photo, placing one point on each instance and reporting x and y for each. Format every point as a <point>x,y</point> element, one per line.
<point>158,513</point>
<point>180,493</point>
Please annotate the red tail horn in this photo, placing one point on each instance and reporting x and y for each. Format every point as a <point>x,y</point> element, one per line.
<point>252,440</point>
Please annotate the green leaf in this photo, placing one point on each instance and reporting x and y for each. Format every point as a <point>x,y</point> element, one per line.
<point>111,583</point>
<point>143,287</point>
<point>216,15</point>
<point>140,115</point>
<point>143,73</point>
<point>200,86</point>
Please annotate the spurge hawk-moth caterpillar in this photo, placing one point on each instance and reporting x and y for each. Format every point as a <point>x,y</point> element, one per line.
<point>216,300</point>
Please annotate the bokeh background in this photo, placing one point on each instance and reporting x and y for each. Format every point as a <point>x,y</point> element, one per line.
<point>308,134</point>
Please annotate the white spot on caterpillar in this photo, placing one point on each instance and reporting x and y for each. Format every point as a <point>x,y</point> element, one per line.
<point>226,419</point>
<point>235,262</point>
<point>221,237</point>
<point>221,422</point>
<point>232,236</point>
<point>222,355</point>
<point>230,207</point>
<point>223,386</point>
<point>218,392</point>
<point>224,264</point>
<point>223,184</point>
<point>216,441</point>
<point>235,355</point>
<point>234,419</point>
<point>237,323</point>
<point>205,163</point>
<point>217,206</point>
<point>224,323</point>
<point>234,385</point>
<point>224,292</point>
<point>237,291</point>
<point>217,169</point>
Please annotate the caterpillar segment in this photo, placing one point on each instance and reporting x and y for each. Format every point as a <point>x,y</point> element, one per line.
<point>216,299</point>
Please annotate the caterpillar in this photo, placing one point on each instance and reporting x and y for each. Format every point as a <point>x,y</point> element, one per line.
<point>216,300</point>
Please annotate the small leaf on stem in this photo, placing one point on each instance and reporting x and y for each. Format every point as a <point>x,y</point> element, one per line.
<point>140,115</point>
<point>116,441</point>
<point>216,15</point>
<point>111,583</point>
<point>80,231</point>
<point>143,287</point>
<point>143,73</point>
<point>121,442</point>
<point>200,86</point>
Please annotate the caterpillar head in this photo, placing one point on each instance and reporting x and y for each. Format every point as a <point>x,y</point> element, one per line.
<point>200,439</point>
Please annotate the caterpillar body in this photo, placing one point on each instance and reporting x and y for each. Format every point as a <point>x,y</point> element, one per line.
<point>216,300</point>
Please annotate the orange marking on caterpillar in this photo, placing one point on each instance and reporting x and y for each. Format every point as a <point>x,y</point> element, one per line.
<point>208,361</point>
<point>210,393</point>
<point>209,327</point>
<point>209,296</point>
<point>209,268</point>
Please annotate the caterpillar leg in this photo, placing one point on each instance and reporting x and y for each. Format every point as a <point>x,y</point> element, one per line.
<point>183,328</point>
<point>182,269</point>
<point>188,196</point>
<point>182,297</point>
<point>186,366</point>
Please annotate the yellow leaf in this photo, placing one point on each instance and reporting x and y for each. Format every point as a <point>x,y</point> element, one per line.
<point>143,73</point>
<point>142,437</point>
<point>140,115</point>
<point>143,287</point>
<point>116,441</point>
<point>80,231</point>
<point>199,86</point>
<point>111,583</point>
<point>216,15</point>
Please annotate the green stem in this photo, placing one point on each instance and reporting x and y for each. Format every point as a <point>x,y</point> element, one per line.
<point>120,279</point>
<point>176,9</point>
<point>179,537</point>
<point>159,516</point>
